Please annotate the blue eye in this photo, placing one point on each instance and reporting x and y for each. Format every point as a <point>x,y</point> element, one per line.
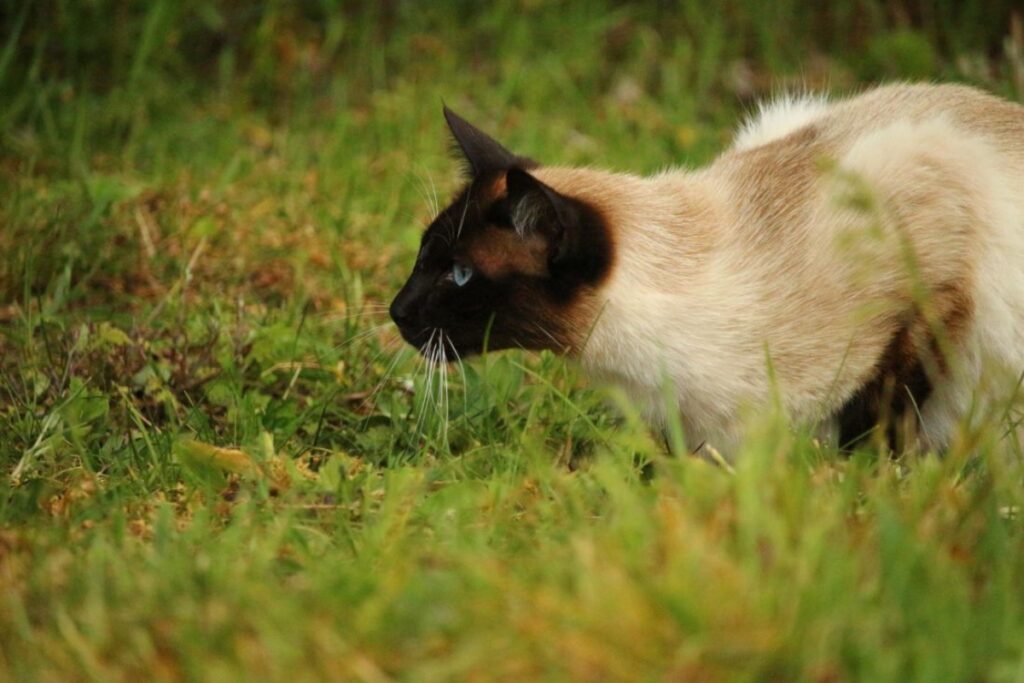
<point>461,273</point>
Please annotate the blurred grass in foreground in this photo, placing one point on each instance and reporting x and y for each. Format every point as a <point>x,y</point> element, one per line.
<point>204,207</point>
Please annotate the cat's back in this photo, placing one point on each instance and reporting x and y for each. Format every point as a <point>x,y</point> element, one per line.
<point>838,124</point>
<point>905,141</point>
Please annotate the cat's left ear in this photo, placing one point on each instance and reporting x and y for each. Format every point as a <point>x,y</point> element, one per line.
<point>483,153</point>
<point>536,210</point>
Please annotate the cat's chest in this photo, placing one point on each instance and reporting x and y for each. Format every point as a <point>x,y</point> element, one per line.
<point>664,363</point>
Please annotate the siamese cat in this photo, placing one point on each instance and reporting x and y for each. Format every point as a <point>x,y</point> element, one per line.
<point>859,262</point>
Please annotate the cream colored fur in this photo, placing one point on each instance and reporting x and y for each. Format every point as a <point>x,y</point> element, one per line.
<point>788,263</point>
<point>778,118</point>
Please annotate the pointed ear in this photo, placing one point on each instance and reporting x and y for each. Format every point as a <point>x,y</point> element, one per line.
<point>536,210</point>
<point>483,154</point>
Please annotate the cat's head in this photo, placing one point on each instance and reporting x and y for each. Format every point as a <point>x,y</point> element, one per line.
<point>510,263</point>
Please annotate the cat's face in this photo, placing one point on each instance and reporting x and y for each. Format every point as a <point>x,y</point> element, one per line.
<point>509,263</point>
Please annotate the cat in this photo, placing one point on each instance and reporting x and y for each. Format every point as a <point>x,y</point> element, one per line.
<point>859,262</point>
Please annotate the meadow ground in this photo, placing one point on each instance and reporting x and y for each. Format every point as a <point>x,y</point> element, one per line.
<point>219,463</point>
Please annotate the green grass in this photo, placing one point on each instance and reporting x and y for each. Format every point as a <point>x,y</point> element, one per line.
<point>205,207</point>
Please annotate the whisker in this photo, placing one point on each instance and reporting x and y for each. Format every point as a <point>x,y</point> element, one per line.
<point>353,319</point>
<point>462,372</point>
<point>465,210</point>
<point>436,206</point>
<point>539,328</point>
<point>443,389</point>
<point>421,189</point>
<point>438,376</point>
<point>371,397</point>
<point>351,311</point>
<point>430,400</point>
<point>361,335</point>
<point>449,237</point>
<point>428,352</point>
<point>425,354</point>
<point>418,397</point>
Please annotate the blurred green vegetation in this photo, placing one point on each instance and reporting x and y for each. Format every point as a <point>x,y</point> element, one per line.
<point>143,58</point>
<point>220,465</point>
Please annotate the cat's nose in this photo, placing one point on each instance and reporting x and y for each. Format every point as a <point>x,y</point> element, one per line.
<point>401,312</point>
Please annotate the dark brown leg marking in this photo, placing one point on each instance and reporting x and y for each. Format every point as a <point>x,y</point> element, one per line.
<point>902,381</point>
<point>896,392</point>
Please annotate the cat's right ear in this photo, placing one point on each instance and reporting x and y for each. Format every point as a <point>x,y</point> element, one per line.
<point>483,154</point>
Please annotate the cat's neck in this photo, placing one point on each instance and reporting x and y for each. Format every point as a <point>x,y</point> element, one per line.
<point>674,307</point>
<point>657,224</point>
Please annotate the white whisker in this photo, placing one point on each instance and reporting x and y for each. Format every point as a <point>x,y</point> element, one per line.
<point>443,388</point>
<point>436,206</point>
<point>427,352</point>
<point>395,359</point>
<point>537,326</point>
<point>462,372</point>
<point>465,210</point>
<point>429,199</point>
<point>361,335</point>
